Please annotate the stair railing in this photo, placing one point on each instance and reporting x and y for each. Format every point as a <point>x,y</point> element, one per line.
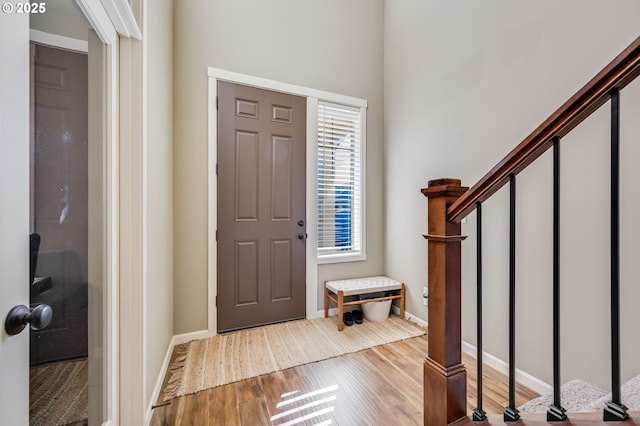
<point>445,395</point>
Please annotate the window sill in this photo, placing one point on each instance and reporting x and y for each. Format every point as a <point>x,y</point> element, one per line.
<point>340,258</point>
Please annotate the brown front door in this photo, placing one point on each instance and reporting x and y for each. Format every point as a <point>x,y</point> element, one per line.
<point>261,206</point>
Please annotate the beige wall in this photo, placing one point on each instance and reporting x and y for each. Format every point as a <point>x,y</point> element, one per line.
<point>333,45</point>
<point>464,83</point>
<point>158,47</point>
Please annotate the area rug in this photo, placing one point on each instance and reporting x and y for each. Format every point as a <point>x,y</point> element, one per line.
<point>227,358</point>
<point>58,393</point>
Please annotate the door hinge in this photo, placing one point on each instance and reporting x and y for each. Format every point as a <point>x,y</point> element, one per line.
<point>217,104</point>
<point>216,169</point>
<point>216,301</point>
<point>216,235</point>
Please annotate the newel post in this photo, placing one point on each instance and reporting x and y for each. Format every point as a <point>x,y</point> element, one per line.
<point>445,377</point>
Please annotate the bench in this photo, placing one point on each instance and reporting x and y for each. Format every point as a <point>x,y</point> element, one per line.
<point>336,291</point>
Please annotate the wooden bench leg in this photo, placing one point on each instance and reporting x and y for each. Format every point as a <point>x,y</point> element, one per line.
<point>402,301</point>
<point>340,309</point>
<point>326,300</point>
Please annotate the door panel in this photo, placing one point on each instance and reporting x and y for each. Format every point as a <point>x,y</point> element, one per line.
<point>281,279</point>
<point>246,176</point>
<point>246,276</point>
<point>281,178</point>
<point>262,196</point>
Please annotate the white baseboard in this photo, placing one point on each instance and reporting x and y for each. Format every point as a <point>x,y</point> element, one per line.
<point>320,314</point>
<point>409,316</point>
<point>158,387</point>
<point>178,339</point>
<point>522,377</point>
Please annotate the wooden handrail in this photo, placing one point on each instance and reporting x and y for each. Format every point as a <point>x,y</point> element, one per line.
<point>445,392</point>
<point>620,72</point>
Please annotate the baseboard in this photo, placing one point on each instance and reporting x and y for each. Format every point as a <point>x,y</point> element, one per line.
<point>320,314</point>
<point>522,377</point>
<point>178,339</point>
<point>409,316</point>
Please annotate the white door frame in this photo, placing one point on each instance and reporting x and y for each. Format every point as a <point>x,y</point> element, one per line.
<point>312,96</point>
<point>114,21</point>
<point>106,32</point>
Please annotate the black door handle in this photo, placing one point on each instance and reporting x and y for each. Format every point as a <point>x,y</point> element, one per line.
<point>19,316</point>
<point>302,236</point>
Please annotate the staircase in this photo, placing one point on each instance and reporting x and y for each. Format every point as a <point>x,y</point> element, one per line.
<point>445,377</point>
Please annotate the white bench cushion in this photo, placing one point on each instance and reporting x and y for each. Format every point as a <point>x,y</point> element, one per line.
<point>364,285</point>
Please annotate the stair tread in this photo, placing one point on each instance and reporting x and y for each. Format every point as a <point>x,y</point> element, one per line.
<point>579,396</point>
<point>576,419</point>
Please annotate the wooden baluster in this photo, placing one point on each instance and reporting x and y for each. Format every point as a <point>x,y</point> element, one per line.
<point>445,377</point>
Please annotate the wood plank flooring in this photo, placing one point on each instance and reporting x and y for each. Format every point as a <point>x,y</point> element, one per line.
<point>377,386</point>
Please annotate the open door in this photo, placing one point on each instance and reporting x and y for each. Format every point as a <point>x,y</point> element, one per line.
<point>14,213</point>
<point>15,227</point>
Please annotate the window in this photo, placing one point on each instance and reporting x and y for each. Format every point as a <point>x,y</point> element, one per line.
<point>340,182</point>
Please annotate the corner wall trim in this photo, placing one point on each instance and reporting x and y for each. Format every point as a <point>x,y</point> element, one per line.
<point>158,387</point>
<point>178,339</point>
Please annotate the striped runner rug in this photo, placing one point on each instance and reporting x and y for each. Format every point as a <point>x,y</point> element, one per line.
<point>227,358</point>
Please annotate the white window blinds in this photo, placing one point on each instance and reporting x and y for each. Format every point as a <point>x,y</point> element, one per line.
<point>339,180</point>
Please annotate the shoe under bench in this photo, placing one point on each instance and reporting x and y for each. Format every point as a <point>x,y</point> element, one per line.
<point>347,293</point>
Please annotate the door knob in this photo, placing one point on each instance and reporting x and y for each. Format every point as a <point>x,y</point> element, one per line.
<point>302,236</point>
<point>301,223</point>
<point>19,316</point>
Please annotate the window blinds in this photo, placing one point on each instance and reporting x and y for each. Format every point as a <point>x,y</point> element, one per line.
<point>339,180</point>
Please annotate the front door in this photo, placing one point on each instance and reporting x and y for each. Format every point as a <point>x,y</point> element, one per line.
<point>261,207</point>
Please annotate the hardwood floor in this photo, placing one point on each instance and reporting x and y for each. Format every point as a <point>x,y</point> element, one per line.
<point>377,386</point>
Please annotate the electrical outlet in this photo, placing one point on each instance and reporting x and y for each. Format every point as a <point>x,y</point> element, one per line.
<point>425,296</point>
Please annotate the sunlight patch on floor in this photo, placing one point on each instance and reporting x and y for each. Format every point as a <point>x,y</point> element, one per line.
<point>295,396</point>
